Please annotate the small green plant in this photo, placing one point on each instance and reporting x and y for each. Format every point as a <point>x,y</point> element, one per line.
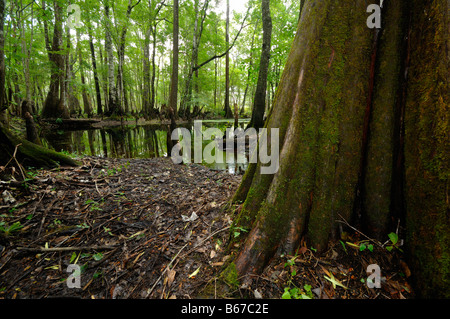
<point>292,291</point>
<point>83,226</point>
<point>97,256</point>
<point>297,293</point>
<point>365,245</point>
<point>237,231</point>
<point>393,239</point>
<point>107,230</point>
<point>8,230</point>
<point>94,205</point>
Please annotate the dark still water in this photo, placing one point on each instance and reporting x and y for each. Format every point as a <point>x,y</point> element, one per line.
<point>149,141</point>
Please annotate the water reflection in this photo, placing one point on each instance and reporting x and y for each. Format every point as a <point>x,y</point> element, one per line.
<point>148,141</point>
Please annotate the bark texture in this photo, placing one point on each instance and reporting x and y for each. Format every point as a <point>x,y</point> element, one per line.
<point>319,108</point>
<point>427,148</point>
<point>364,118</point>
<point>259,102</point>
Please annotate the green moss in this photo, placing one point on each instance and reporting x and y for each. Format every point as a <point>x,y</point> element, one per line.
<point>230,276</point>
<point>427,147</point>
<point>30,153</point>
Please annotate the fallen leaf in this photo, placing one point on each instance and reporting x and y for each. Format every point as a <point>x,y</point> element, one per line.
<point>170,276</point>
<point>194,273</point>
<point>217,264</point>
<point>257,294</point>
<point>212,254</point>
<point>335,282</point>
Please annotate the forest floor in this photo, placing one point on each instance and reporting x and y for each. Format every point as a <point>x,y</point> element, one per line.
<point>146,228</point>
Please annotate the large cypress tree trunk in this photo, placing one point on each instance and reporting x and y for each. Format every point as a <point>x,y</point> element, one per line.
<point>427,148</point>
<point>340,106</point>
<point>319,109</point>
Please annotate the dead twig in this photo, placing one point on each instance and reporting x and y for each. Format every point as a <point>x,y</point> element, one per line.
<point>343,221</point>
<point>57,249</point>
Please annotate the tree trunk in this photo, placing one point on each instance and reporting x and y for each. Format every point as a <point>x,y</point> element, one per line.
<point>259,102</point>
<point>87,107</point>
<point>427,148</point>
<point>26,54</point>
<point>3,105</point>
<point>173,95</point>
<point>340,105</point>
<point>53,106</point>
<point>113,104</point>
<point>227,108</point>
<point>318,111</point>
<point>28,153</point>
<point>94,69</point>
<point>153,78</point>
<point>146,69</point>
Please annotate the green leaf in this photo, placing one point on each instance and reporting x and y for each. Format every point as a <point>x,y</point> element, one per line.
<point>393,237</point>
<point>370,247</point>
<point>335,282</point>
<point>195,272</point>
<point>286,294</point>
<point>362,247</point>
<point>97,256</point>
<point>343,246</point>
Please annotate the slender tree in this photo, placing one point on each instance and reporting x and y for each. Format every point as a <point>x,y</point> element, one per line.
<point>259,101</point>
<point>227,108</point>
<point>94,70</point>
<point>173,95</point>
<point>114,107</point>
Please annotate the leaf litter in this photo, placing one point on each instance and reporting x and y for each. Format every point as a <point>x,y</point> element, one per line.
<point>124,222</point>
<point>147,228</point>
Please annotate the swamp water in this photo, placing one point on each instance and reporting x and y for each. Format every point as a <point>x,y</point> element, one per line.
<point>145,141</point>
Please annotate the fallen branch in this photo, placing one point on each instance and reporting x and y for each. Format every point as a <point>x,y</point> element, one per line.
<point>56,249</point>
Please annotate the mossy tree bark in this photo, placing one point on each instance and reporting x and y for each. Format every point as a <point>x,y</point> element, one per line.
<point>30,154</point>
<point>259,102</point>
<point>340,108</point>
<point>319,109</point>
<point>427,148</point>
<point>54,105</point>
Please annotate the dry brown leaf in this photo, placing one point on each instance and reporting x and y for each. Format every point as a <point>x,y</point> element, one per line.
<point>170,276</point>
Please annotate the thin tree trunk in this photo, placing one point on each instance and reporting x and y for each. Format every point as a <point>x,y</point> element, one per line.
<point>259,102</point>
<point>113,105</point>
<point>86,102</point>
<point>146,70</point>
<point>227,108</point>
<point>173,95</point>
<point>94,70</point>
<point>3,105</point>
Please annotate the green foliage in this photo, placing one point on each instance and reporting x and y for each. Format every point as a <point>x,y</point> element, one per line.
<point>28,28</point>
<point>7,230</point>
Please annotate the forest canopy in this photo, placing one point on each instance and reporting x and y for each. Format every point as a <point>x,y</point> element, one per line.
<point>87,44</point>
